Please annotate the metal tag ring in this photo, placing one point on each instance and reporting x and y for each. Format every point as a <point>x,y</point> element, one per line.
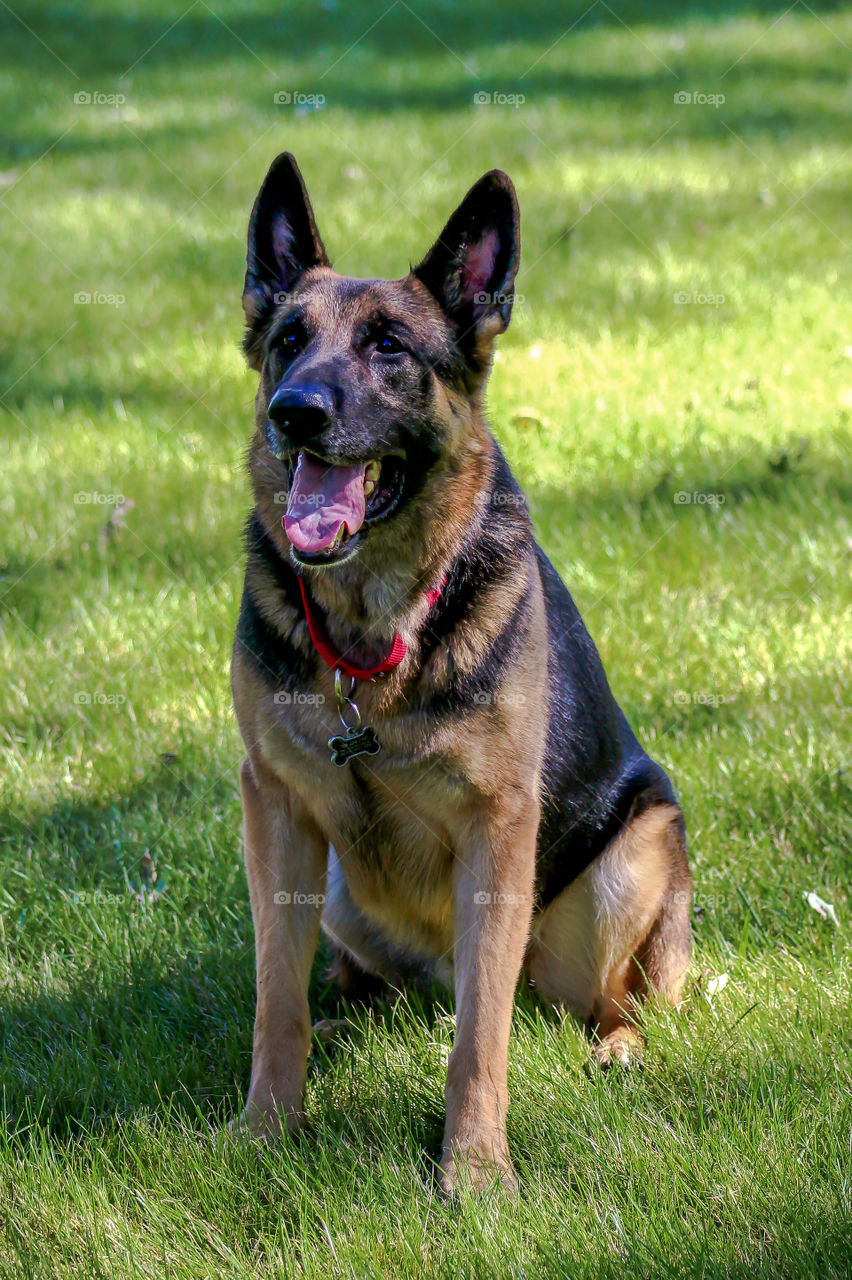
<point>344,701</point>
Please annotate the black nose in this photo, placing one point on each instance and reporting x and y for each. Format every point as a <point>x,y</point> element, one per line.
<point>301,412</point>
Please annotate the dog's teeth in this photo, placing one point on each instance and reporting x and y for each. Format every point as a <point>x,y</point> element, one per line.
<point>371,474</point>
<point>369,486</point>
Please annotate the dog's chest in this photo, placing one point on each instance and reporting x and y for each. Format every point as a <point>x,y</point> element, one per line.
<point>394,836</point>
<point>392,817</point>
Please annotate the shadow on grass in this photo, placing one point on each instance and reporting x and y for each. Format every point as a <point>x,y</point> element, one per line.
<point>173,1029</point>
<point>160,1006</point>
<point>98,45</point>
<point>98,40</point>
<point>164,1009</point>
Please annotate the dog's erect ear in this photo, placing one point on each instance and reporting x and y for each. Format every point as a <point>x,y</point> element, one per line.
<point>471,268</point>
<point>283,241</point>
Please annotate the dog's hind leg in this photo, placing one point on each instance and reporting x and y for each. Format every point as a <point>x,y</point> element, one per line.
<point>618,932</point>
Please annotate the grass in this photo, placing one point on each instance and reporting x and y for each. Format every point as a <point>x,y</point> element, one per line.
<point>724,621</point>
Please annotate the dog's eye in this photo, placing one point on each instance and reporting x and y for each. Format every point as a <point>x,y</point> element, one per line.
<point>292,338</point>
<point>389,345</point>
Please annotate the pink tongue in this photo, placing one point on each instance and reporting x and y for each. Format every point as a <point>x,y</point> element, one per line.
<point>321,499</point>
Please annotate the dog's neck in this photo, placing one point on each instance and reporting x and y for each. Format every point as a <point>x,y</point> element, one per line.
<point>367,601</point>
<point>363,611</point>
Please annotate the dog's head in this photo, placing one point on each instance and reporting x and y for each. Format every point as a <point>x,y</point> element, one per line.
<point>369,395</point>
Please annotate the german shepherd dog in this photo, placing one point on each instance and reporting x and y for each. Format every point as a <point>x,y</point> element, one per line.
<point>436,771</point>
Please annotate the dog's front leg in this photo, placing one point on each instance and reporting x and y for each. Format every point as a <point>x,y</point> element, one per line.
<point>493,906</point>
<point>286,859</point>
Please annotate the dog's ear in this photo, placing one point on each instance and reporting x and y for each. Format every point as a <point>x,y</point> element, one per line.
<point>283,241</point>
<point>471,268</point>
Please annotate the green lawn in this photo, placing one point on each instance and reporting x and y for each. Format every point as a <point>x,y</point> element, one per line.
<point>126,951</point>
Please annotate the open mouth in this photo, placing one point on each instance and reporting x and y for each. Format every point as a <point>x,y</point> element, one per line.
<point>330,506</point>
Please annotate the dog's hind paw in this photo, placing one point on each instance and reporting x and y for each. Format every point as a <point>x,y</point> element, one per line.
<point>622,1048</point>
<point>332,1030</point>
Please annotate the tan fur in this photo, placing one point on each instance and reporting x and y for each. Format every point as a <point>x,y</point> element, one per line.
<point>463,804</point>
<point>425,854</point>
<point>587,948</point>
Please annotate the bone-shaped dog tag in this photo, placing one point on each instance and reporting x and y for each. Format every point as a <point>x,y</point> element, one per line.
<point>355,742</point>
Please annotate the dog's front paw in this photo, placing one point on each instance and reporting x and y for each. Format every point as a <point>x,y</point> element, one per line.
<point>622,1047</point>
<point>471,1170</point>
<point>264,1123</point>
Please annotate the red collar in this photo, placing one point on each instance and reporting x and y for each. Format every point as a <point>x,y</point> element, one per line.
<point>330,655</point>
